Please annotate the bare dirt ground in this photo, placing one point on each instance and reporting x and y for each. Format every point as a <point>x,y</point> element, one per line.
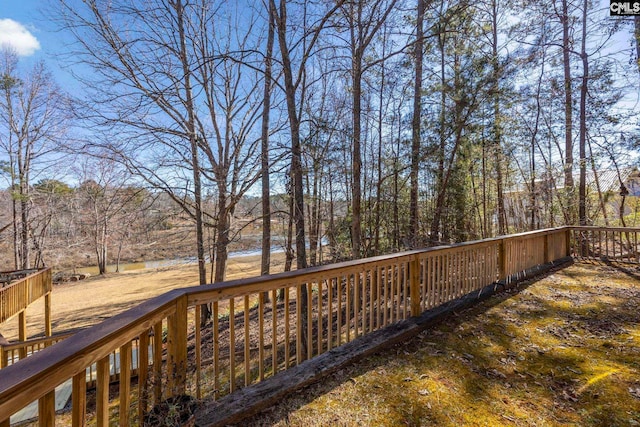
<point>87,302</point>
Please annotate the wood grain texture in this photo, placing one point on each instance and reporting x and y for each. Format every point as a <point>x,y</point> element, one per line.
<point>125,384</point>
<point>79,400</point>
<point>47,410</point>
<point>102,393</point>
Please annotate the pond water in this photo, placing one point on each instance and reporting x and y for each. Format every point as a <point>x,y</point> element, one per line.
<point>111,268</point>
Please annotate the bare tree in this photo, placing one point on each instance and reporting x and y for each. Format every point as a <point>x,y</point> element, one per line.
<point>363,20</point>
<point>174,101</point>
<point>33,119</point>
<point>109,206</point>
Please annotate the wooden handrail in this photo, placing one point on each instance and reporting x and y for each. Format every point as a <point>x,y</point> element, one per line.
<point>39,340</point>
<point>17,296</point>
<point>33,377</point>
<point>366,294</point>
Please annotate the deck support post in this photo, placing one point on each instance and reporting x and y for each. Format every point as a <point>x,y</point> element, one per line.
<point>414,285</point>
<point>177,348</point>
<point>502,261</point>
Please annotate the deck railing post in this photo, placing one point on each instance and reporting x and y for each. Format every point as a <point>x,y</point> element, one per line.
<point>48,285</point>
<point>567,238</point>
<point>22,332</point>
<point>47,410</point>
<point>47,314</point>
<point>414,285</point>
<point>177,348</point>
<point>502,260</point>
<point>547,257</point>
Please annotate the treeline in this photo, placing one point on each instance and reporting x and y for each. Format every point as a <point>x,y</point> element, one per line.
<point>95,221</point>
<point>389,124</point>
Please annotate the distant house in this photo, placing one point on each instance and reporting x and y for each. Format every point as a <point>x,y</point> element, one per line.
<point>632,183</point>
<point>612,181</point>
<point>519,199</point>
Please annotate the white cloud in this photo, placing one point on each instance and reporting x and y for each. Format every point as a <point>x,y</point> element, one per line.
<point>16,35</point>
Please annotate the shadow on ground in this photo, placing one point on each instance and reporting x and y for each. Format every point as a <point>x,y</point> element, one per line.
<point>561,350</point>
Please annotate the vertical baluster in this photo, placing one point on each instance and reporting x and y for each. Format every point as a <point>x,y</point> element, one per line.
<point>339,322</point>
<point>347,308</point>
<point>216,349</point>
<point>384,295</point>
<point>393,308</point>
<point>157,362</point>
<point>466,276</point>
<point>438,280</point>
<point>357,304</point>
<point>309,286</point>
<point>407,285</point>
<point>247,349</point>
<point>125,383</point>
<point>261,304</point>
<point>368,297</point>
<point>299,325</point>
<point>429,282</point>
<point>79,399</point>
<point>330,284</point>
<point>47,410</point>
<point>395,276</point>
<point>424,289</point>
<point>441,279</point>
<point>232,346</point>
<point>274,332</point>
<point>102,392</point>
<point>286,328</point>
<point>198,345</point>
<point>404,289</point>
<point>401,296</point>
<point>451,279</point>
<point>143,374</point>
<point>320,316</point>
<point>378,297</point>
<point>459,277</point>
<point>363,296</point>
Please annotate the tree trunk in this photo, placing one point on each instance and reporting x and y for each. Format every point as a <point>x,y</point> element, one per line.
<point>266,198</point>
<point>195,163</point>
<point>582,196</point>
<point>222,233</point>
<point>434,234</point>
<point>356,223</point>
<point>568,112</point>
<point>497,128</point>
<point>296,161</point>
<point>415,128</point>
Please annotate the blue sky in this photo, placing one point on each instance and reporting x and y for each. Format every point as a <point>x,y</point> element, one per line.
<point>23,25</point>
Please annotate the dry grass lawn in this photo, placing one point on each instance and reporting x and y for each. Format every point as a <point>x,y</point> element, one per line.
<point>87,302</point>
<point>561,351</point>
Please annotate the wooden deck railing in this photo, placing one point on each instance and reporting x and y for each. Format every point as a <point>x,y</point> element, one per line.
<point>606,244</point>
<point>260,326</point>
<point>13,352</point>
<point>18,295</point>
